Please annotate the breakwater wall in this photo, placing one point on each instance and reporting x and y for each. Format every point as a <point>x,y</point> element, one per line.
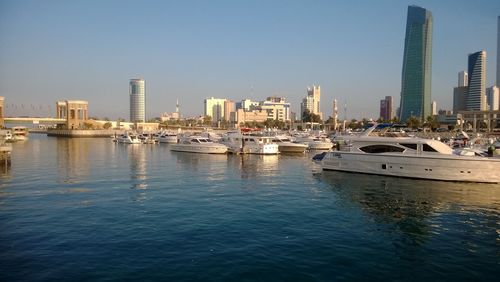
<point>80,133</point>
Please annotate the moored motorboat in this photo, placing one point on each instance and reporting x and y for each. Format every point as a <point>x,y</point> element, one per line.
<point>128,138</point>
<point>413,158</point>
<point>285,145</point>
<point>198,144</point>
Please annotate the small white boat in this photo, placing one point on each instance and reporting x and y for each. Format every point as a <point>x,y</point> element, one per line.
<point>168,137</point>
<point>413,158</point>
<point>249,144</point>
<point>285,145</point>
<point>198,144</point>
<point>128,138</point>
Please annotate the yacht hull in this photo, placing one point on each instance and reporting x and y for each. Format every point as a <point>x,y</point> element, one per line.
<point>446,168</point>
<point>197,148</point>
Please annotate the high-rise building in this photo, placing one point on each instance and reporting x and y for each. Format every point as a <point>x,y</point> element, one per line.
<point>312,101</point>
<point>417,59</point>
<point>137,91</point>
<point>228,109</point>
<point>386,112</point>
<point>498,52</point>
<point>463,79</point>
<point>215,108</point>
<point>476,98</point>
<point>277,108</point>
<point>434,108</point>
<point>492,98</point>
<point>460,98</point>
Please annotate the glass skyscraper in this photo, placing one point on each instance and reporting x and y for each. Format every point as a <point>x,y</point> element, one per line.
<point>416,78</point>
<point>137,91</point>
<point>476,99</point>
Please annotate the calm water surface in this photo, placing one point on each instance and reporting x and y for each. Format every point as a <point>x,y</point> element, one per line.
<point>88,209</point>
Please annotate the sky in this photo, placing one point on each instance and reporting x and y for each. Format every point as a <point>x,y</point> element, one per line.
<point>53,50</point>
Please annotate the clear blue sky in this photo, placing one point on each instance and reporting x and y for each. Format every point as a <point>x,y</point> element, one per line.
<point>188,50</point>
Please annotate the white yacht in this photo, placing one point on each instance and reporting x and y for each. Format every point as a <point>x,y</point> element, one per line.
<point>411,157</point>
<point>19,133</point>
<point>198,144</point>
<point>315,142</point>
<point>128,138</point>
<point>249,144</point>
<point>168,137</point>
<point>285,145</point>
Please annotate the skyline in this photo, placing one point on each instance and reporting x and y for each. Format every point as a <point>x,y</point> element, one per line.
<point>194,50</point>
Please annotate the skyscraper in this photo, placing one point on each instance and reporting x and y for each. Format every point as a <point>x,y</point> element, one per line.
<point>463,79</point>
<point>476,98</point>
<point>492,98</point>
<point>498,52</point>
<point>137,91</point>
<point>416,77</point>
<point>214,107</point>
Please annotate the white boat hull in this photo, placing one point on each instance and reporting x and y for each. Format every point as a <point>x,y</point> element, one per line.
<point>261,149</point>
<point>448,168</point>
<point>292,148</point>
<point>211,148</point>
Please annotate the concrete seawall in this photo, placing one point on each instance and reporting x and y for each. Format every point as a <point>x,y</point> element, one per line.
<point>77,133</point>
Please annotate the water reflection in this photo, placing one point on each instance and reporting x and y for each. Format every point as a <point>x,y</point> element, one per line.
<point>72,159</point>
<point>215,163</point>
<point>414,207</point>
<point>138,170</point>
<point>252,166</point>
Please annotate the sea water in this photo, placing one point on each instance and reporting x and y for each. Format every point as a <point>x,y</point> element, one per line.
<point>90,209</point>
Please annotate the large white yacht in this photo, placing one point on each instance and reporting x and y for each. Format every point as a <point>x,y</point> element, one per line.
<point>19,133</point>
<point>411,157</point>
<point>198,144</point>
<point>249,144</point>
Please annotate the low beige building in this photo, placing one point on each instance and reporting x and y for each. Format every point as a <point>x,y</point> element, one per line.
<point>243,116</point>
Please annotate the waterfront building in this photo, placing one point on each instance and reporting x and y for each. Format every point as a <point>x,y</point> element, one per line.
<point>242,116</point>
<point>2,123</point>
<point>386,112</point>
<point>172,116</point>
<point>492,98</point>
<point>312,101</point>
<point>476,98</point>
<point>247,105</point>
<point>434,108</point>
<point>214,108</point>
<point>74,111</point>
<point>417,59</point>
<point>137,92</point>
<point>463,79</point>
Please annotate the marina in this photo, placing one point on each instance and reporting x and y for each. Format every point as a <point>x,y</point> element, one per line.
<point>95,210</point>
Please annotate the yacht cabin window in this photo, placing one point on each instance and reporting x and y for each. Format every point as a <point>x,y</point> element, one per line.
<point>428,148</point>
<point>412,146</point>
<point>376,149</point>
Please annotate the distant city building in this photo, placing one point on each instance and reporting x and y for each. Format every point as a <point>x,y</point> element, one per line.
<point>335,114</point>
<point>312,101</point>
<point>386,112</point>
<point>459,98</point>
<point>172,116</point>
<point>476,98</point>
<point>277,108</point>
<point>76,113</point>
<point>463,79</point>
<point>248,105</point>
<point>242,116</point>
<point>229,107</point>
<point>416,78</point>
<point>492,98</point>
<point>434,108</point>
<point>2,123</point>
<point>214,108</point>
<point>498,53</point>
<point>137,92</point>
